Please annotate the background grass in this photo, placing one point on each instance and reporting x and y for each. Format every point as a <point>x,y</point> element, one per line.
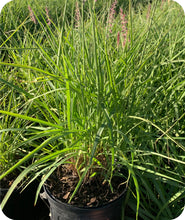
<point>63,84</point>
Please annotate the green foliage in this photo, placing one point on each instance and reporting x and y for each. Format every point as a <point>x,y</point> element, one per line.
<point>76,88</point>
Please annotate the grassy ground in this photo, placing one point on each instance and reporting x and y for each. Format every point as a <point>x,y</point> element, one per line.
<point>67,76</point>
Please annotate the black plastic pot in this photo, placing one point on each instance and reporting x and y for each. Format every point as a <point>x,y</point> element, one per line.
<point>20,205</point>
<point>64,211</point>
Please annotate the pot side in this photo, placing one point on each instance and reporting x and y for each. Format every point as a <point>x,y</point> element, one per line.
<point>64,211</point>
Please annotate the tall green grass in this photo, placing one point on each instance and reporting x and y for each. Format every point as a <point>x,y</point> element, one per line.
<point>69,90</point>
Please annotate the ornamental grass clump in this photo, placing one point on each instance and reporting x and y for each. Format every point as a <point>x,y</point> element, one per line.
<point>96,112</point>
<point>73,102</point>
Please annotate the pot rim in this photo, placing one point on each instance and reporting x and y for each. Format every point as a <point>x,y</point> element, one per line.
<point>51,197</point>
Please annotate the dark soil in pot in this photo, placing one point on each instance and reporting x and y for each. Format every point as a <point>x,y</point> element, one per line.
<point>20,205</point>
<point>94,199</point>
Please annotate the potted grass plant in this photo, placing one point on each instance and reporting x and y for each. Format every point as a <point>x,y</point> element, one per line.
<point>81,131</point>
<point>83,80</point>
